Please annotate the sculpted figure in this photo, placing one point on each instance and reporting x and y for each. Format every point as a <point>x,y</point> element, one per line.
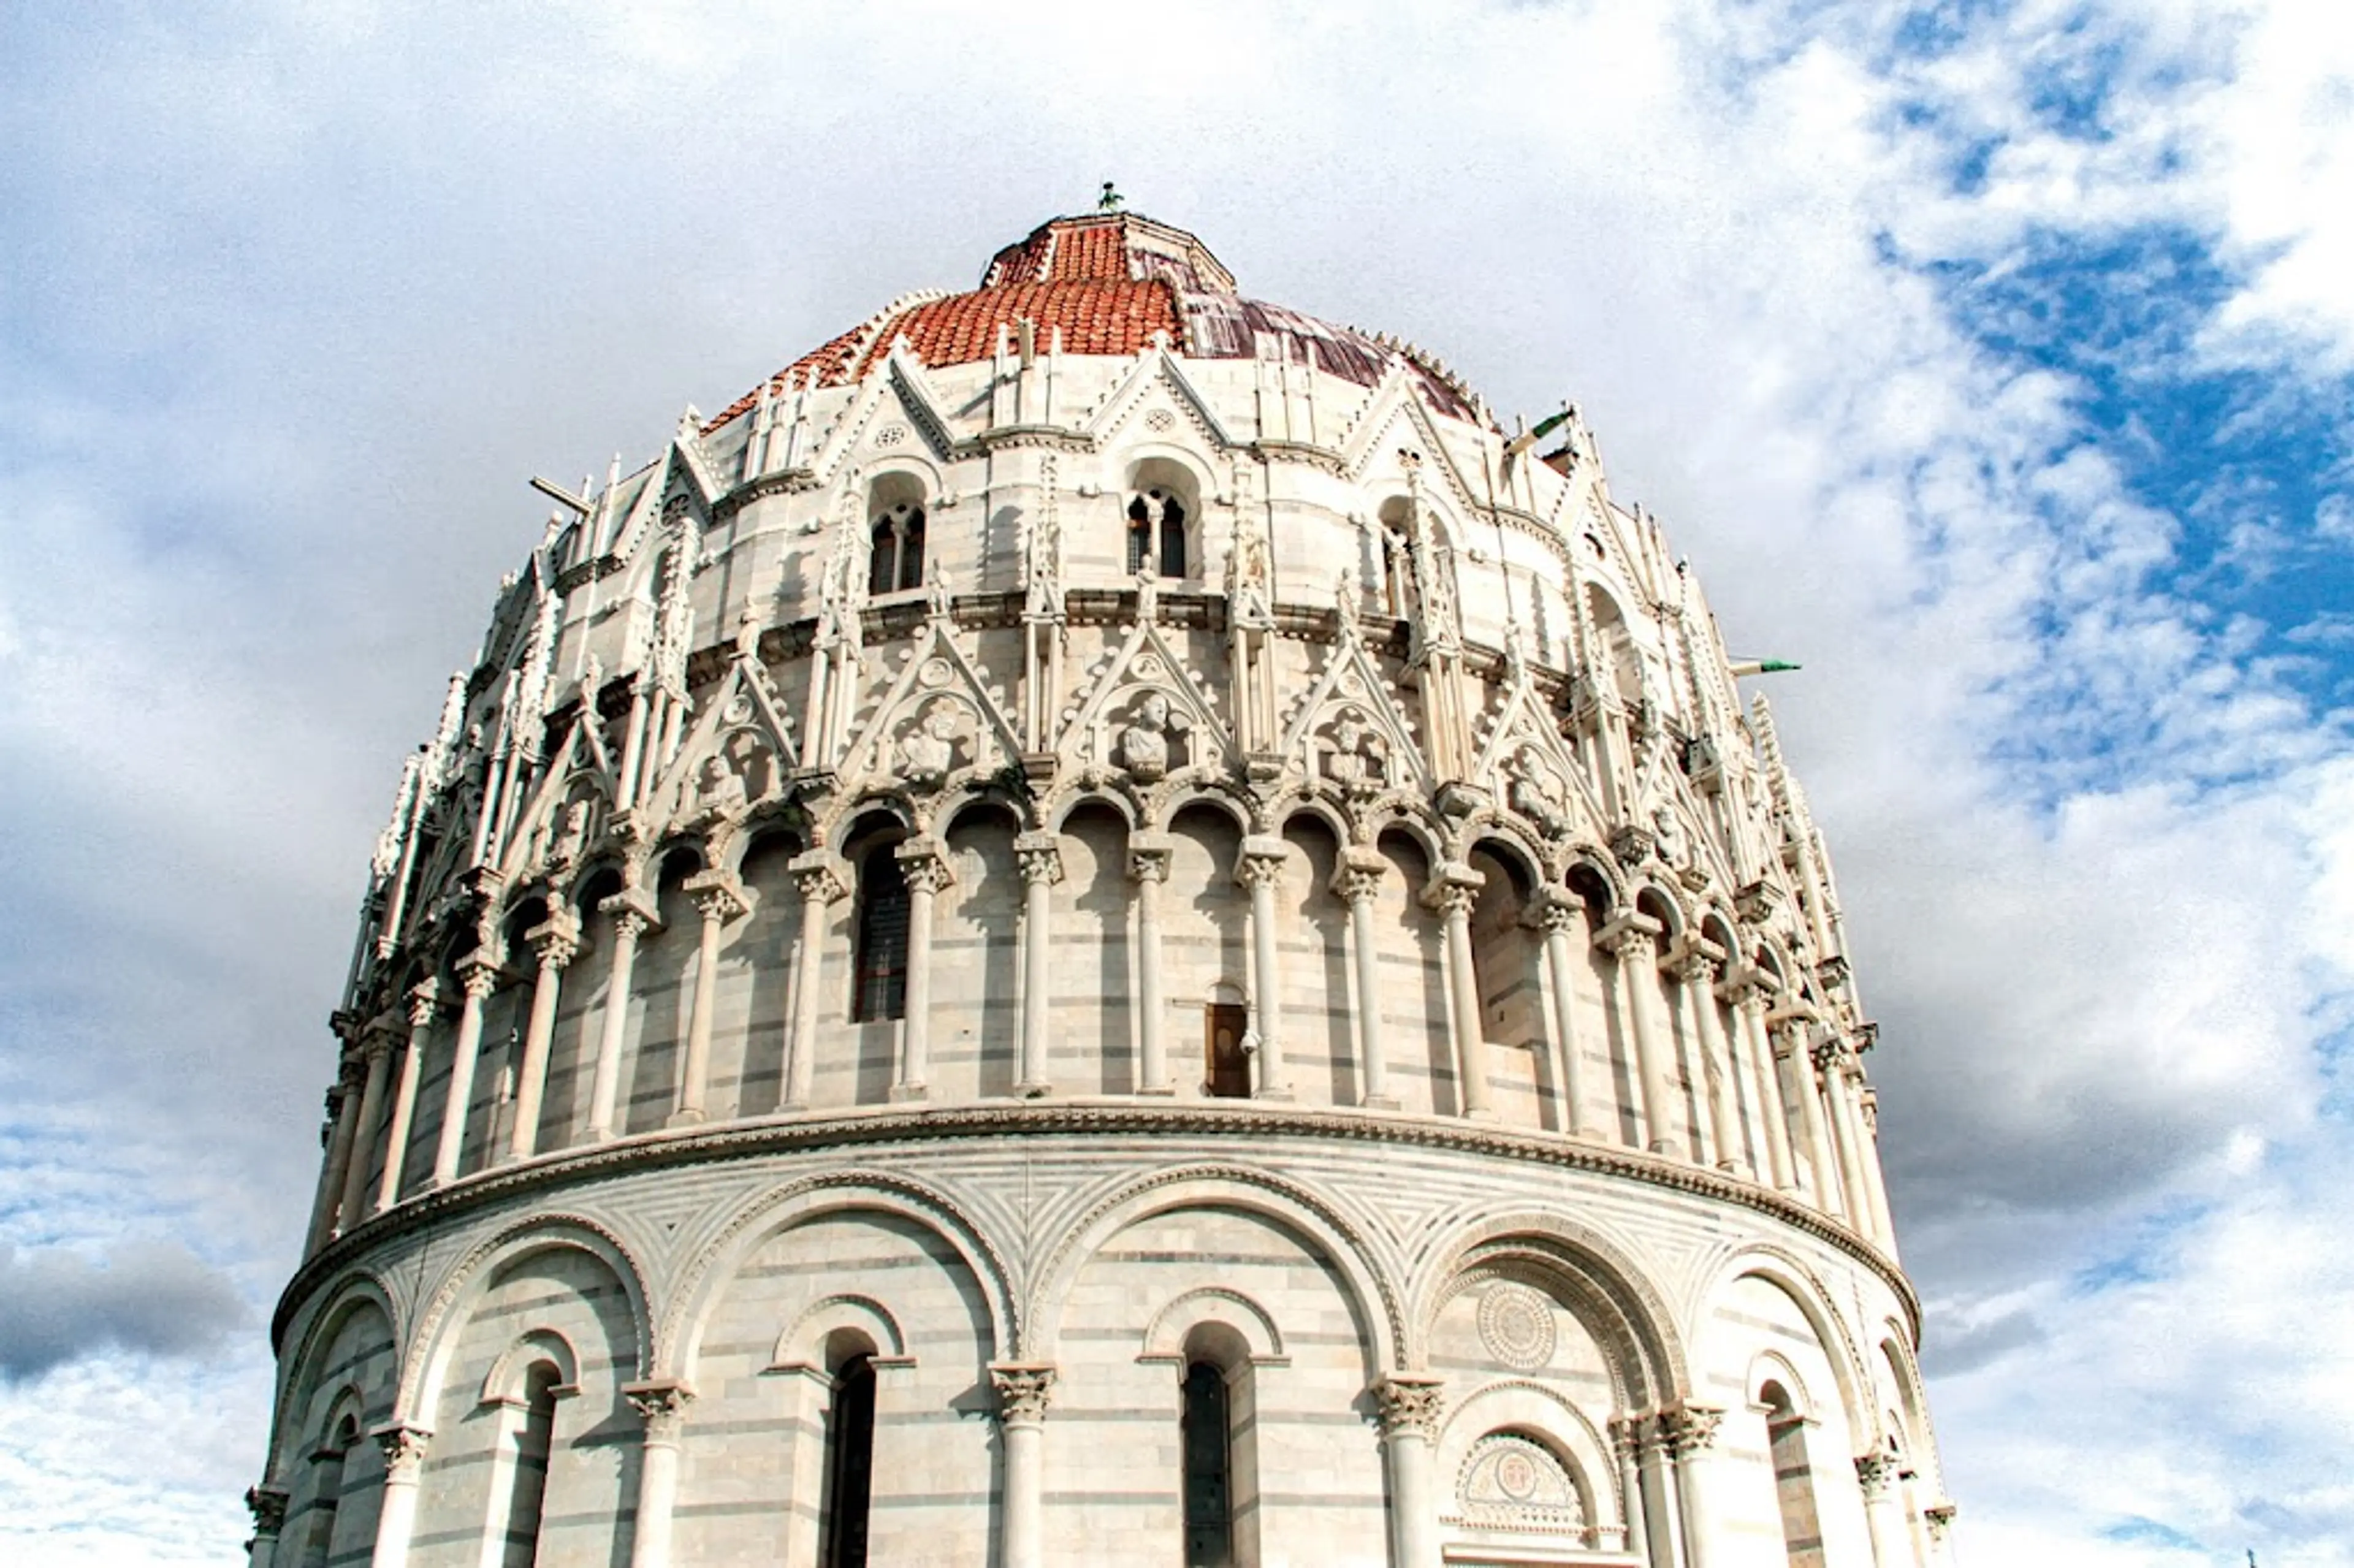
<point>927,751</point>
<point>720,792</point>
<point>1144,740</point>
<point>1355,761</point>
<point>1537,792</point>
<point>1668,834</point>
<point>571,837</point>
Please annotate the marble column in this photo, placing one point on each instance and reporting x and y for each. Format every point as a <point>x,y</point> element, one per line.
<point>1749,997</point>
<point>424,1003</point>
<point>718,898</point>
<point>404,1456</point>
<point>555,942</point>
<point>376,1053</point>
<point>1662,1505</point>
<point>1148,865</point>
<point>1875,1182</point>
<point>1626,1446</point>
<point>823,877</point>
<point>1690,1431</point>
<point>1259,870</point>
<point>1875,1473</point>
<point>268,1505</point>
<point>925,864</point>
<point>343,1115</point>
<point>1835,1059</point>
<point>1793,1029</point>
<point>1633,939</point>
<point>633,915</point>
<point>1023,1391</point>
<point>661,1405</point>
<point>1357,882</point>
<point>1696,970</point>
<point>1453,889</point>
<point>1041,860</point>
<point>1409,1408</point>
<point>479,975</point>
<point>1556,914</point>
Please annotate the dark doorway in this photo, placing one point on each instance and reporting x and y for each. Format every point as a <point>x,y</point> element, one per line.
<point>1229,1064</point>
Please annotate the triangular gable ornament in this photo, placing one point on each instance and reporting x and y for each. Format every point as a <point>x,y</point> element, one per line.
<point>935,724</point>
<point>1145,714</point>
<point>1351,734</point>
<point>1523,760</point>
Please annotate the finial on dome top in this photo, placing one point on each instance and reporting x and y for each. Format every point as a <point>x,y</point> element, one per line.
<point>1111,200</point>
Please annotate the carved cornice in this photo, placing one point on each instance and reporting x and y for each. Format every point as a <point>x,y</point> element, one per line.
<point>1253,1121</point>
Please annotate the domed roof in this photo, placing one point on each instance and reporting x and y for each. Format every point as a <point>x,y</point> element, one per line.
<point>1107,283</point>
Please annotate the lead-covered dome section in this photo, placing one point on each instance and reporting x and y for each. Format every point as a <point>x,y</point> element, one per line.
<point>1109,283</point>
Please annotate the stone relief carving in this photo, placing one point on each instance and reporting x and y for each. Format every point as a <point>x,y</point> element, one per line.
<point>1514,1482</point>
<point>1352,755</point>
<point>1153,741</point>
<point>1537,790</point>
<point>927,750</point>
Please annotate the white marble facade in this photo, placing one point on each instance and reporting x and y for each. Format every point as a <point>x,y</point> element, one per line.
<point>1055,850</point>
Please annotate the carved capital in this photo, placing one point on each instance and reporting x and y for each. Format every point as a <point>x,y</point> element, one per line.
<point>1632,939</point>
<point>1452,889</point>
<point>424,1001</point>
<point>1939,1518</point>
<point>1830,1054</point>
<point>661,1405</point>
<point>1689,1428</point>
<point>1632,1436</point>
<point>925,864</point>
<point>556,940</point>
<point>1553,911</point>
<point>403,1448</point>
<point>718,895</point>
<point>1023,1391</point>
<point>1261,862</point>
<point>478,972</point>
<point>1410,1406</point>
<point>1040,856</point>
<point>631,911</point>
<point>1875,1472</point>
<point>268,1505</point>
<point>820,875</point>
<point>1632,846</point>
<point>1360,874</point>
<point>1149,855</point>
<point>1695,961</point>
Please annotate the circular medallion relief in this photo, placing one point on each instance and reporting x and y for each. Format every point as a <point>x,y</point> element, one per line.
<point>892,435</point>
<point>1147,667</point>
<point>1516,1476</point>
<point>935,673</point>
<point>1161,420</point>
<point>1516,1325</point>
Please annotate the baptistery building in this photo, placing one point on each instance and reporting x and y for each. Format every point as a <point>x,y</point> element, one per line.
<point>1104,923</point>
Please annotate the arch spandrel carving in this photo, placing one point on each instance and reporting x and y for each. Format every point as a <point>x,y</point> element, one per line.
<point>1115,731</point>
<point>939,724</point>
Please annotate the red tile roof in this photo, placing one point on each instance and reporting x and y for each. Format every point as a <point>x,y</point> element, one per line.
<point>1108,282</point>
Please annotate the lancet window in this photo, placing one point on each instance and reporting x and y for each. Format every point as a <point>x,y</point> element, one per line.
<point>1794,1481</point>
<point>882,937</point>
<point>849,1465</point>
<point>535,1439</point>
<point>327,1492</point>
<point>896,549</point>
<point>1206,1427</point>
<point>1156,534</point>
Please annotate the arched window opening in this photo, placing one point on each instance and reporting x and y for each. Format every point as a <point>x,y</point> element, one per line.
<point>327,1492</point>
<point>1230,1077</point>
<point>1397,559</point>
<point>1206,1436</point>
<point>895,553</point>
<point>534,1440</point>
<point>882,937</point>
<point>1156,534</point>
<point>1794,1481</point>
<point>849,1465</point>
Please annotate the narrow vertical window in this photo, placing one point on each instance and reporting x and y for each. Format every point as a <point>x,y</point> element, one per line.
<point>911,547</point>
<point>849,1466</point>
<point>1794,1480</point>
<point>327,1493</point>
<point>1206,1435</point>
<point>1229,1065</point>
<point>1173,538</point>
<point>535,1439</point>
<point>883,557</point>
<point>1139,535</point>
<point>882,937</point>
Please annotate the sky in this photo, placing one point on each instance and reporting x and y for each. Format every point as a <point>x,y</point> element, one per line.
<point>1994,359</point>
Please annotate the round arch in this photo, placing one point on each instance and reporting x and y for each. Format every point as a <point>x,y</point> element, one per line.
<point>1602,1283</point>
<point>427,1363</point>
<point>1785,1273</point>
<point>1371,1290</point>
<point>715,1264</point>
<point>355,1291</point>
